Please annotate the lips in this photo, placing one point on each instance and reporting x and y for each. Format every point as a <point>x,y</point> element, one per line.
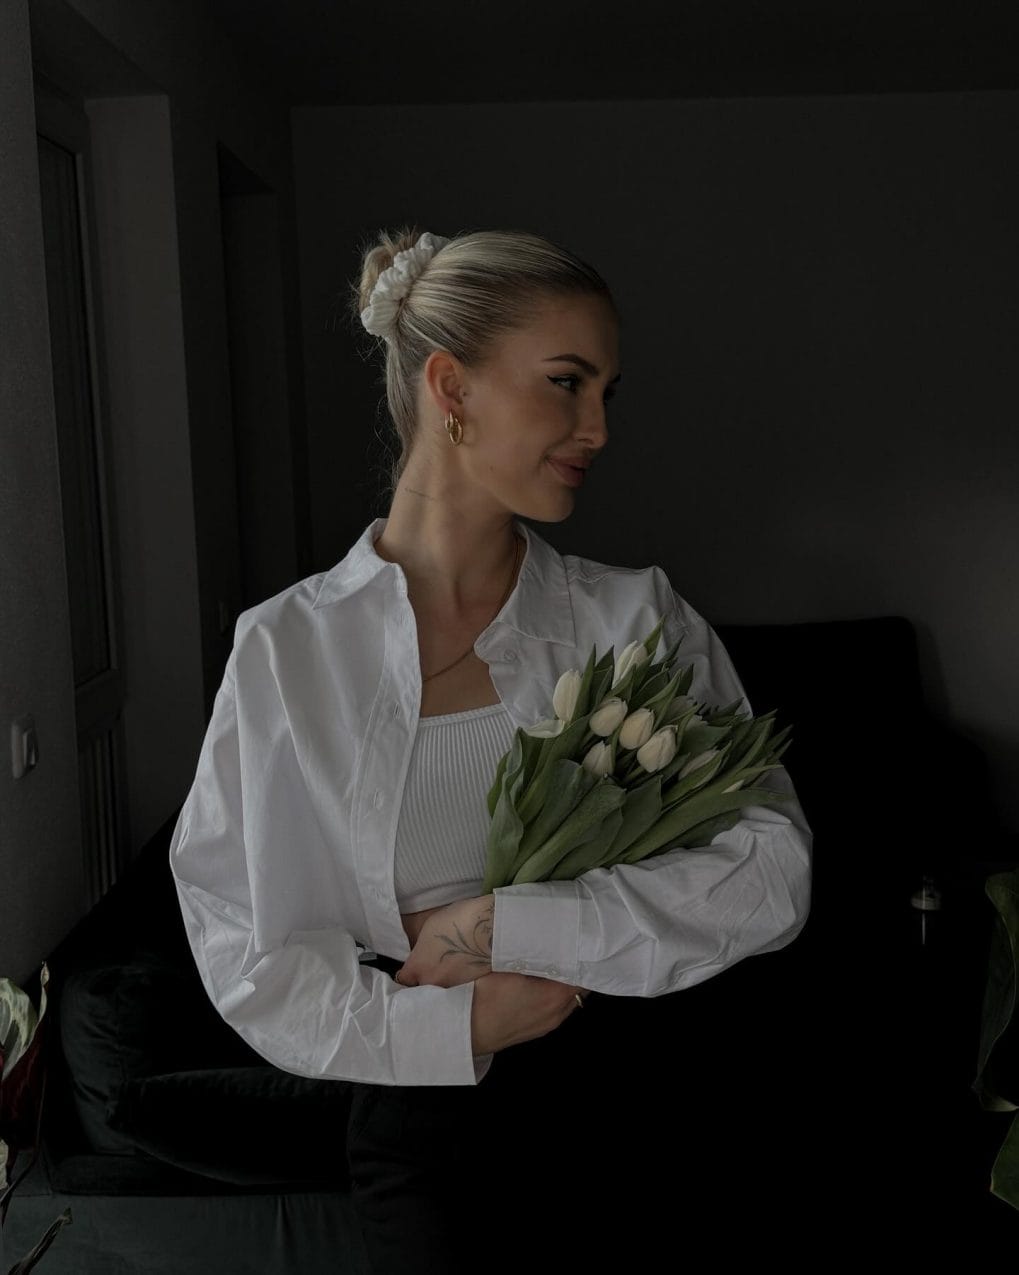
<point>572,474</point>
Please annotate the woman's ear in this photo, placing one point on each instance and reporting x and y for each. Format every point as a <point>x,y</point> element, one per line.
<point>443,379</point>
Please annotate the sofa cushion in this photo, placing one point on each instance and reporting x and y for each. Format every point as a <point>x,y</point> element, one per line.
<point>242,1125</point>
<point>140,1017</point>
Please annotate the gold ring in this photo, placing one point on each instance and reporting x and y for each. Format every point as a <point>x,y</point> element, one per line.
<point>577,998</point>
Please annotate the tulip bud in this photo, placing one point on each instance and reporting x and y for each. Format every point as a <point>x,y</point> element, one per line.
<point>565,695</point>
<point>733,787</point>
<point>637,729</point>
<point>599,760</point>
<point>633,655</point>
<point>547,728</point>
<point>659,749</point>
<point>611,713</point>
<point>695,763</point>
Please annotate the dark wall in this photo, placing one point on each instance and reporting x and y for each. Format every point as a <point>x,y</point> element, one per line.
<point>816,417</point>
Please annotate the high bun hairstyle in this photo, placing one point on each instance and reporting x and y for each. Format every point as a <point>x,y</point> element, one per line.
<point>476,288</point>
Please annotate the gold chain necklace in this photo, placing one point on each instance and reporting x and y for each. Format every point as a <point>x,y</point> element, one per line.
<point>513,571</point>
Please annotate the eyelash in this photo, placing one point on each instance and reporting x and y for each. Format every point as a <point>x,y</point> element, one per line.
<point>609,394</point>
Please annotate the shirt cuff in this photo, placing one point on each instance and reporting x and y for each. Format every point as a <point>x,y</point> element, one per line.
<point>431,1035</point>
<point>537,930</point>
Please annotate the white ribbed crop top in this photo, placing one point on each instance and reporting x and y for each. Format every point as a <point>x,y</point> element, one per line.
<point>442,834</point>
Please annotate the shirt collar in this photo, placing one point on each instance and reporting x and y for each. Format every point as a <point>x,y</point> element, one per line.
<point>539,606</point>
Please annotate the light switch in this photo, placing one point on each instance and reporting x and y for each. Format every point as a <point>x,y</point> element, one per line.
<point>24,746</point>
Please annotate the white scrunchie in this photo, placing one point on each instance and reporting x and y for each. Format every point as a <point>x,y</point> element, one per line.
<point>393,284</point>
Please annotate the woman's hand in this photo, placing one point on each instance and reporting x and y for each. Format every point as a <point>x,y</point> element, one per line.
<point>413,921</point>
<point>508,1009</point>
<point>451,945</point>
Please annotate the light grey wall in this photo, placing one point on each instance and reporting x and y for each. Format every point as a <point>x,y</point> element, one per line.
<point>213,99</point>
<point>146,378</point>
<point>41,880</point>
<point>816,418</point>
<point>168,378</point>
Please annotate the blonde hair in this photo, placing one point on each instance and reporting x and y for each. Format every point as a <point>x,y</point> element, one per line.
<point>476,288</point>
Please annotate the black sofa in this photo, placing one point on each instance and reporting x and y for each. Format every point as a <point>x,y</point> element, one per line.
<point>180,1149</point>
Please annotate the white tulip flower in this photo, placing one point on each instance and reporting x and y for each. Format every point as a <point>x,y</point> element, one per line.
<point>547,728</point>
<point>637,729</point>
<point>611,713</point>
<point>566,693</point>
<point>695,763</point>
<point>633,655</point>
<point>598,759</point>
<point>659,749</point>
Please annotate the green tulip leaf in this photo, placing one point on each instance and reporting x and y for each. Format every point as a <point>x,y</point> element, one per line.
<point>504,834</point>
<point>579,826</point>
<point>565,744</point>
<point>698,778</point>
<point>590,854</point>
<point>649,690</point>
<point>651,641</point>
<point>1005,1169</point>
<point>724,716</point>
<point>642,808</point>
<point>568,783</point>
<point>584,694</point>
<point>496,789</point>
<point>701,834</point>
<point>696,809</point>
<point>698,739</point>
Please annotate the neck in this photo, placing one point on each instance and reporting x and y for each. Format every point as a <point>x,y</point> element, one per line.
<point>456,560</point>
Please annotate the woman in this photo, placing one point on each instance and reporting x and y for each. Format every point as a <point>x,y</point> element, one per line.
<point>330,853</point>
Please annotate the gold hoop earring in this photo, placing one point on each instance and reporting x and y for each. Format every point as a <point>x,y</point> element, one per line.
<point>454,428</point>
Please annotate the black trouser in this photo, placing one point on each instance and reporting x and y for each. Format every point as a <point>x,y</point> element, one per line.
<point>638,1123</point>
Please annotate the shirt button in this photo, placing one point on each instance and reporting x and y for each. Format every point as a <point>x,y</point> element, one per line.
<point>509,654</point>
<point>379,799</point>
<point>517,965</point>
<point>553,971</point>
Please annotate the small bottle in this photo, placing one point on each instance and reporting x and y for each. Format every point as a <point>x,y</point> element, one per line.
<point>927,899</point>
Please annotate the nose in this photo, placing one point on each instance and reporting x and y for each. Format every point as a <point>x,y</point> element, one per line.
<point>594,428</point>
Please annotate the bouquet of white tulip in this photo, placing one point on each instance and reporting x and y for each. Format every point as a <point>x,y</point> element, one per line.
<point>627,768</point>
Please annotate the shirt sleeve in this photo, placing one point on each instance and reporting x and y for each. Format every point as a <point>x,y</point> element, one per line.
<point>304,1002</point>
<point>679,917</point>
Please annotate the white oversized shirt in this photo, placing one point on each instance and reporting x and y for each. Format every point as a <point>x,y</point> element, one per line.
<point>283,851</point>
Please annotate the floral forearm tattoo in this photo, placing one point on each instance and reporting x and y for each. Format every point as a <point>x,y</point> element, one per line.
<point>477,945</point>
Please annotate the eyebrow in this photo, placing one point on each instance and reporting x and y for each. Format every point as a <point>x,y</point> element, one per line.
<point>589,368</point>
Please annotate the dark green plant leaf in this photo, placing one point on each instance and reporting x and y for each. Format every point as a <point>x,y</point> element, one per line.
<point>582,706</point>
<point>568,784</point>
<point>1005,1169</point>
<point>680,789</point>
<point>696,809</point>
<point>496,788</point>
<point>579,826</point>
<point>642,807</point>
<point>590,854</point>
<point>651,687</point>
<point>504,833</point>
<point>701,833</point>
<point>565,744</point>
<point>698,739</point>
<point>997,1015</point>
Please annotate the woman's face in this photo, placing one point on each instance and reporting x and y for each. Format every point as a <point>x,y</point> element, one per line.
<point>536,404</point>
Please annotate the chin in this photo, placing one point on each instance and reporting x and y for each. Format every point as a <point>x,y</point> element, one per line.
<point>541,507</point>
